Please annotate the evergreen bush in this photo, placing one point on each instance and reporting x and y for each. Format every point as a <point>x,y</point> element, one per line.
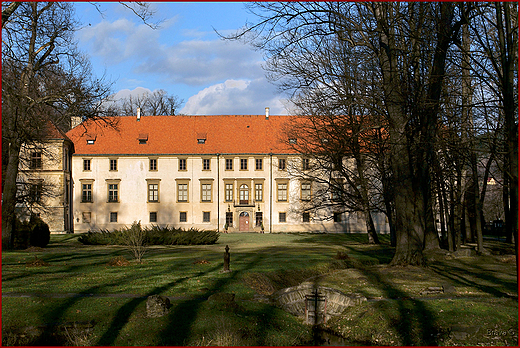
<point>40,234</point>
<point>154,235</point>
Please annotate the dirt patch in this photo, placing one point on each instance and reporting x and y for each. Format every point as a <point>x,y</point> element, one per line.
<point>201,262</point>
<point>32,249</point>
<point>36,263</point>
<point>118,262</point>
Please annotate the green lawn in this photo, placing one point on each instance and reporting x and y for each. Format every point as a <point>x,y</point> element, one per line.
<point>485,296</point>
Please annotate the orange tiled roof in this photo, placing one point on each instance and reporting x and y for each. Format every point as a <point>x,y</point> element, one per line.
<point>227,134</point>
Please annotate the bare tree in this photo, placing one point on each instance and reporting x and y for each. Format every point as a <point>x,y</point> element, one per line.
<point>43,76</point>
<point>157,103</point>
<point>407,44</point>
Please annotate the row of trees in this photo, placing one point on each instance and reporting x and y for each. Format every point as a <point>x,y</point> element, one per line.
<point>419,95</point>
<point>45,78</point>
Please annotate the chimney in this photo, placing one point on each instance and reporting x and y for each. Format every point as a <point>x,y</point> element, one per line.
<point>266,113</point>
<point>75,121</point>
<point>138,114</point>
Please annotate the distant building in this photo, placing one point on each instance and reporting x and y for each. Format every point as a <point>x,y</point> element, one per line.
<point>208,172</point>
<point>45,180</point>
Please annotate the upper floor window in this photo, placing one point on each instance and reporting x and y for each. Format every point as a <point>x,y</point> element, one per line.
<point>35,192</point>
<point>153,192</point>
<point>281,164</point>
<point>86,193</point>
<point>259,164</point>
<point>205,164</point>
<point>306,191</point>
<point>113,164</point>
<point>113,192</point>
<point>244,194</point>
<point>86,165</point>
<point>282,192</point>
<point>306,164</point>
<point>153,164</point>
<point>229,193</point>
<point>182,192</point>
<point>229,164</point>
<point>36,160</point>
<point>259,192</point>
<point>182,163</point>
<point>205,192</point>
<point>243,164</point>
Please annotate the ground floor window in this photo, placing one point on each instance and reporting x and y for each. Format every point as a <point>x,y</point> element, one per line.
<point>229,219</point>
<point>282,217</point>
<point>113,217</point>
<point>337,217</point>
<point>259,219</point>
<point>306,217</point>
<point>183,216</point>
<point>153,216</point>
<point>206,216</point>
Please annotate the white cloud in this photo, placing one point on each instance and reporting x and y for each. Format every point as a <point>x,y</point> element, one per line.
<point>235,97</point>
<point>193,62</point>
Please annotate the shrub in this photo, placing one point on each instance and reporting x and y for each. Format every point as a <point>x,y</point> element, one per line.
<point>154,235</point>
<point>40,233</point>
<point>135,240</point>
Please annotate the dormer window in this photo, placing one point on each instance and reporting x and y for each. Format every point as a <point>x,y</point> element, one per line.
<point>292,140</point>
<point>201,138</point>
<point>143,138</point>
<point>91,139</point>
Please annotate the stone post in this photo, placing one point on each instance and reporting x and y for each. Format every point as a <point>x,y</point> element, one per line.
<point>227,257</point>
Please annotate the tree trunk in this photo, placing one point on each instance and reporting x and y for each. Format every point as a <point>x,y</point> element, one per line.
<point>9,195</point>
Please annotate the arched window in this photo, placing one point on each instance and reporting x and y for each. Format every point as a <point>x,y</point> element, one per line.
<point>244,194</point>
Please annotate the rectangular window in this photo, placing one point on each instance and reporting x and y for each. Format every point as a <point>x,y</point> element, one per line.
<point>153,192</point>
<point>229,219</point>
<point>306,217</point>
<point>259,164</point>
<point>86,193</point>
<point>86,217</point>
<point>281,164</point>
<point>229,193</point>
<point>282,217</point>
<point>182,163</point>
<point>35,193</point>
<point>153,164</point>
<point>183,216</point>
<point>206,216</point>
<point>336,190</point>
<point>337,217</point>
<point>113,217</point>
<point>86,165</point>
<point>306,191</point>
<point>36,160</point>
<point>205,164</point>
<point>113,164</point>
<point>182,192</point>
<point>259,192</point>
<point>306,164</point>
<point>229,164</point>
<point>153,216</point>
<point>259,219</point>
<point>205,192</point>
<point>243,164</point>
<point>113,192</point>
<point>282,192</point>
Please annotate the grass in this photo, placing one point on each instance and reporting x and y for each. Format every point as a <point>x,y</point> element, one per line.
<point>483,310</point>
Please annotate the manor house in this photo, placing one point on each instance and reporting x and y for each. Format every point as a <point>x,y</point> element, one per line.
<point>208,172</point>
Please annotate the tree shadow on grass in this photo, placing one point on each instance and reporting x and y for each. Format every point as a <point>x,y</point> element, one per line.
<point>415,323</point>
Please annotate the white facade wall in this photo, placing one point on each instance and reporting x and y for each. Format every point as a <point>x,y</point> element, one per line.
<point>133,175</point>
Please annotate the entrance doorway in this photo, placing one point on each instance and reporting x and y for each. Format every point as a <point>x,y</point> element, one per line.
<point>243,222</point>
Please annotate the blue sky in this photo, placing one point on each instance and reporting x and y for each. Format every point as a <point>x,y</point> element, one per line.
<point>184,56</point>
